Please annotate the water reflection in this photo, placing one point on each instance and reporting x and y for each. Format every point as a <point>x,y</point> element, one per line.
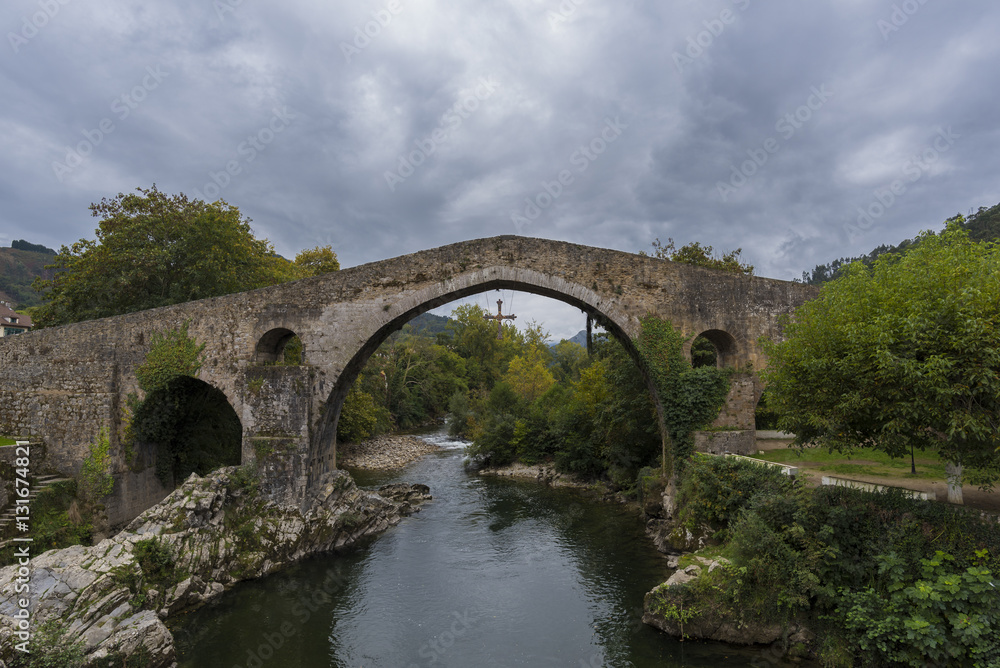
<point>492,572</point>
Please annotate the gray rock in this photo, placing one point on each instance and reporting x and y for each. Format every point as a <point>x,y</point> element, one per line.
<point>681,577</point>
<point>79,585</point>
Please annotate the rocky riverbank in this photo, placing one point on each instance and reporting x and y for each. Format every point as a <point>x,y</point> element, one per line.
<point>391,451</point>
<point>111,599</point>
<point>538,472</point>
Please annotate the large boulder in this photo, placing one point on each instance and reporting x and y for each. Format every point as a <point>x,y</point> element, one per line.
<point>207,535</point>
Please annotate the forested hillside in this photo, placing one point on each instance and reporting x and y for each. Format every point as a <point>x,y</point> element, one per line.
<point>983,225</point>
<point>20,265</point>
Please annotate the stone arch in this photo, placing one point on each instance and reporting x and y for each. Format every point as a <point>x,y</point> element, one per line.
<point>213,428</point>
<point>394,315</point>
<point>726,347</point>
<point>271,346</point>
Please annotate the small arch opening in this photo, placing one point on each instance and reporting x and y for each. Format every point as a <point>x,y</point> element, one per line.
<point>280,346</point>
<point>713,347</point>
<point>188,427</point>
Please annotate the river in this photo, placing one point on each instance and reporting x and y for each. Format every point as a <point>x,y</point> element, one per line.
<point>492,572</point>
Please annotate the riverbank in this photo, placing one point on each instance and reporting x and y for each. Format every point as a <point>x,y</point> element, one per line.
<point>542,473</point>
<point>386,452</point>
<point>111,600</point>
<point>829,573</point>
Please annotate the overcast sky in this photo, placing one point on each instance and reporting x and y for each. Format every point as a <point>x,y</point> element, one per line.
<point>389,126</point>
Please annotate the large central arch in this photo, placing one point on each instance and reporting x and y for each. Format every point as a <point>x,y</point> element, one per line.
<point>621,325</point>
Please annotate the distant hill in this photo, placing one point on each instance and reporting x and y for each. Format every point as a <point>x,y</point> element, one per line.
<point>18,269</point>
<point>580,338</point>
<point>427,324</point>
<point>983,225</point>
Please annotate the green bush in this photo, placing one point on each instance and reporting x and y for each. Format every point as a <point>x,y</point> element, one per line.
<point>891,579</point>
<point>50,647</point>
<point>156,559</point>
<point>95,474</point>
<point>949,616</point>
<point>714,490</point>
<point>361,417</point>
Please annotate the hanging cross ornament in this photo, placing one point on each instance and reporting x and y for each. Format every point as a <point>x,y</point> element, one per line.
<point>500,317</point>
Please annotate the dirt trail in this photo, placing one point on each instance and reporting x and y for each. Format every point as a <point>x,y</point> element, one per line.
<point>973,496</point>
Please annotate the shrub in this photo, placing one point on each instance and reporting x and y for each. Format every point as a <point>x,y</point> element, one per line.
<point>96,481</point>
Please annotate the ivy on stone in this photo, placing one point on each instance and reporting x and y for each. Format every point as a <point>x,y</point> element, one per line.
<point>689,397</point>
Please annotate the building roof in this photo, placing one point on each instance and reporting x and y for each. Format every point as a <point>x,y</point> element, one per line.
<point>10,318</point>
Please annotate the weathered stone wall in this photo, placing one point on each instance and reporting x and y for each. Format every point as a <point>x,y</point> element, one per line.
<point>276,422</point>
<point>61,385</point>
<point>741,403</point>
<point>737,442</point>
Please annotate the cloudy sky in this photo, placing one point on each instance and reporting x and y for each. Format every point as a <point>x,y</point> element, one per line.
<point>799,132</point>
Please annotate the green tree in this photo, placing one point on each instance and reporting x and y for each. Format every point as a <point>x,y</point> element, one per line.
<point>361,417</point>
<point>475,339</point>
<point>904,352</point>
<point>568,360</point>
<point>318,260</point>
<point>695,253</point>
<point>528,376</point>
<point>154,250</point>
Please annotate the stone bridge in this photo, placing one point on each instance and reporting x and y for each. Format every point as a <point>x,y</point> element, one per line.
<point>60,386</point>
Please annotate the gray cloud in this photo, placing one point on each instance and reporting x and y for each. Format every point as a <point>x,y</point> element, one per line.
<point>695,88</point>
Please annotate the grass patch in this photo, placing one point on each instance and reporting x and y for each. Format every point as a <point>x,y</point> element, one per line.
<point>7,441</point>
<point>861,461</point>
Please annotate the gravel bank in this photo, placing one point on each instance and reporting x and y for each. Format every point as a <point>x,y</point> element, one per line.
<point>383,452</point>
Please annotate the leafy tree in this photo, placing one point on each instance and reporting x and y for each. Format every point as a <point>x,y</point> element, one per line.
<point>361,417</point>
<point>318,260</point>
<point>154,250</point>
<point>568,360</point>
<point>703,353</point>
<point>475,340</point>
<point>905,352</point>
<point>528,376</point>
<point>695,253</point>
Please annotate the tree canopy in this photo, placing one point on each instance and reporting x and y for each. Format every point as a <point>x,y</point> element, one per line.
<point>695,253</point>
<point>318,260</point>
<point>905,351</point>
<point>153,250</point>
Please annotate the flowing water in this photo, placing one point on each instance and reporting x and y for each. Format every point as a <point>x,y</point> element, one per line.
<point>492,572</point>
